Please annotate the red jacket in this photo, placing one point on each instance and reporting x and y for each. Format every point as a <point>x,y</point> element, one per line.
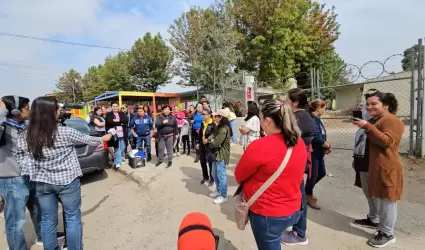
<point>259,161</point>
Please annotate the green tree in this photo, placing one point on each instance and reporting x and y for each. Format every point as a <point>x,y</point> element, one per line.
<point>93,84</point>
<point>205,41</point>
<point>283,37</point>
<point>150,60</point>
<point>115,73</point>
<point>69,87</point>
<point>187,40</point>
<point>406,62</point>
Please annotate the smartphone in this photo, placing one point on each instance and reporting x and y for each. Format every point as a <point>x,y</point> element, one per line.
<point>358,114</point>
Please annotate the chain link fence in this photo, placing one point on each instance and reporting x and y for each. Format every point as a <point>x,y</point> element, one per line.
<point>347,98</point>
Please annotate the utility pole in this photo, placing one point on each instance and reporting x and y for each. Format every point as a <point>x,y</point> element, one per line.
<point>73,88</point>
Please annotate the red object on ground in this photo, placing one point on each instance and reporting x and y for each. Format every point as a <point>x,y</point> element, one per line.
<point>260,160</point>
<point>196,233</point>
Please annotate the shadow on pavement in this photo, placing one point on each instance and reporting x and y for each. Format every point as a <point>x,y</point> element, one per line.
<point>228,208</point>
<point>194,178</point>
<point>223,244</point>
<point>93,177</point>
<point>234,159</point>
<point>193,181</point>
<point>336,221</point>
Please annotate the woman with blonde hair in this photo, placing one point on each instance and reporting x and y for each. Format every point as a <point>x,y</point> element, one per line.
<point>278,207</point>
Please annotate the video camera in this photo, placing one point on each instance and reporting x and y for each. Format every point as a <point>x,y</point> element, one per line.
<point>65,112</point>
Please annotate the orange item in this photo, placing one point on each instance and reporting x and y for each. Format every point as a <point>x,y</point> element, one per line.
<point>196,233</point>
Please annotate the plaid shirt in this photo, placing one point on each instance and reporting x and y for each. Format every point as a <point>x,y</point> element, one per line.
<point>60,165</point>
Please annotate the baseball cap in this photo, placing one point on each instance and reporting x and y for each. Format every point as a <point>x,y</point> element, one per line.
<point>221,112</point>
<point>196,233</point>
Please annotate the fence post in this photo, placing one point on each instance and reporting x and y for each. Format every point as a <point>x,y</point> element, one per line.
<point>419,114</point>
<point>318,85</point>
<point>412,106</point>
<point>312,71</point>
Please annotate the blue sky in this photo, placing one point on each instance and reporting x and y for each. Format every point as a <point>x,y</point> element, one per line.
<point>370,30</point>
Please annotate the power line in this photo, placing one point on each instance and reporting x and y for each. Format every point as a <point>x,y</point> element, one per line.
<point>58,41</point>
<point>27,73</point>
<point>26,67</point>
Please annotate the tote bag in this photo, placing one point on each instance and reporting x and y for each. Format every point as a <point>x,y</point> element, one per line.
<point>242,207</point>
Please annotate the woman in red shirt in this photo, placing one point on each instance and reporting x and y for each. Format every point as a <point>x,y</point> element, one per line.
<point>278,207</point>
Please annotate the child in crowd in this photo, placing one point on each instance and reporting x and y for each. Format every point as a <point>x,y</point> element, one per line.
<point>185,135</point>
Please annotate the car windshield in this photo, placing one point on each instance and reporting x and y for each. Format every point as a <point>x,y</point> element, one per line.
<point>79,125</point>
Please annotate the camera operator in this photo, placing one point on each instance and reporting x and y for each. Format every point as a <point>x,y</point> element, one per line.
<point>15,188</point>
<point>46,153</point>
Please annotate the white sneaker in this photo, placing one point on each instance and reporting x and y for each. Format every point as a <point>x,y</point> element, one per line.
<point>233,144</point>
<point>214,194</point>
<point>220,200</point>
<point>2,214</point>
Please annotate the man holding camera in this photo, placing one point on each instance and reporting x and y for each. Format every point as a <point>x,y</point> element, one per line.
<point>16,190</point>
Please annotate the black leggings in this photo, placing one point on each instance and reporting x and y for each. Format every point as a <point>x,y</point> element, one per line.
<point>203,159</point>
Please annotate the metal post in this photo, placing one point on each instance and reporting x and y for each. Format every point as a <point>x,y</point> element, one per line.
<point>412,105</point>
<point>318,84</point>
<point>312,83</point>
<point>419,114</point>
<point>215,94</point>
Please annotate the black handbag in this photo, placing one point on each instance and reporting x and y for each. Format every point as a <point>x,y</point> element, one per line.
<point>213,152</point>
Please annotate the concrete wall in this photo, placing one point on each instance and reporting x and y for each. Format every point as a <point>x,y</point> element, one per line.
<point>400,88</point>
<point>347,97</point>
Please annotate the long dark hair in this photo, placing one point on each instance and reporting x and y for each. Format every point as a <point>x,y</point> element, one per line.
<point>253,110</point>
<point>223,123</point>
<point>284,118</point>
<point>42,127</point>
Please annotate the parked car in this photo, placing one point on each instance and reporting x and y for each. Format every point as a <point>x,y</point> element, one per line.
<point>92,159</point>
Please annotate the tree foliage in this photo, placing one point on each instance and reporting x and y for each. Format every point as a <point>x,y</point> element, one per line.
<point>283,37</point>
<point>205,43</point>
<point>406,62</point>
<point>150,60</point>
<point>69,87</point>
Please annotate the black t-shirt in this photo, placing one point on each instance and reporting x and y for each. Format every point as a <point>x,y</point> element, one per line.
<point>306,125</point>
<point>361,164</point>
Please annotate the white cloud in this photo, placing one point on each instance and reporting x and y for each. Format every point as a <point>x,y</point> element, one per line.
<point>79,21</point>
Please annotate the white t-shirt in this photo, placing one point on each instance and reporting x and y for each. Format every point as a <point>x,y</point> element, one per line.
<point>253,124</point>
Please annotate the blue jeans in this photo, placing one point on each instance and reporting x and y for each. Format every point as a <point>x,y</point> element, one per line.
<point>70,196</point>
<point>268,230</point>
<point>18,195</point>
<point>146,139</point>
<point>118,152</point>
<point>220,177</point>
<point>301,225</point>
<point>233,126</point>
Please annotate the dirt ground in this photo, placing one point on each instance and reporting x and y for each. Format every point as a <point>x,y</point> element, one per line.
<point>118,213</point>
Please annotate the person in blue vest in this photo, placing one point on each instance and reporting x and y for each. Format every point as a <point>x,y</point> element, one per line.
<point>142,128</point>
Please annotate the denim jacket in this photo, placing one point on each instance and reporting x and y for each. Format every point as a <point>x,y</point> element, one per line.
<point>319,136</point>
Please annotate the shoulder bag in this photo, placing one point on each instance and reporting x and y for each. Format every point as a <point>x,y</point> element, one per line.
<point>242,207</point>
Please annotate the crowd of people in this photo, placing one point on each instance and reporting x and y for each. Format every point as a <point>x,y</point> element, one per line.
<point>39,166</point>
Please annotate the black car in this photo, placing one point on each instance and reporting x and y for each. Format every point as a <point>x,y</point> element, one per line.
<point>91,158</point>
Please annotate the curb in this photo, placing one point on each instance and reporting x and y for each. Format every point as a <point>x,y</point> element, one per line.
<point>128,171</point>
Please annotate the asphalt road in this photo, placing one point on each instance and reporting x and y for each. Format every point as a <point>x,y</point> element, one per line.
<point>120,214</point>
